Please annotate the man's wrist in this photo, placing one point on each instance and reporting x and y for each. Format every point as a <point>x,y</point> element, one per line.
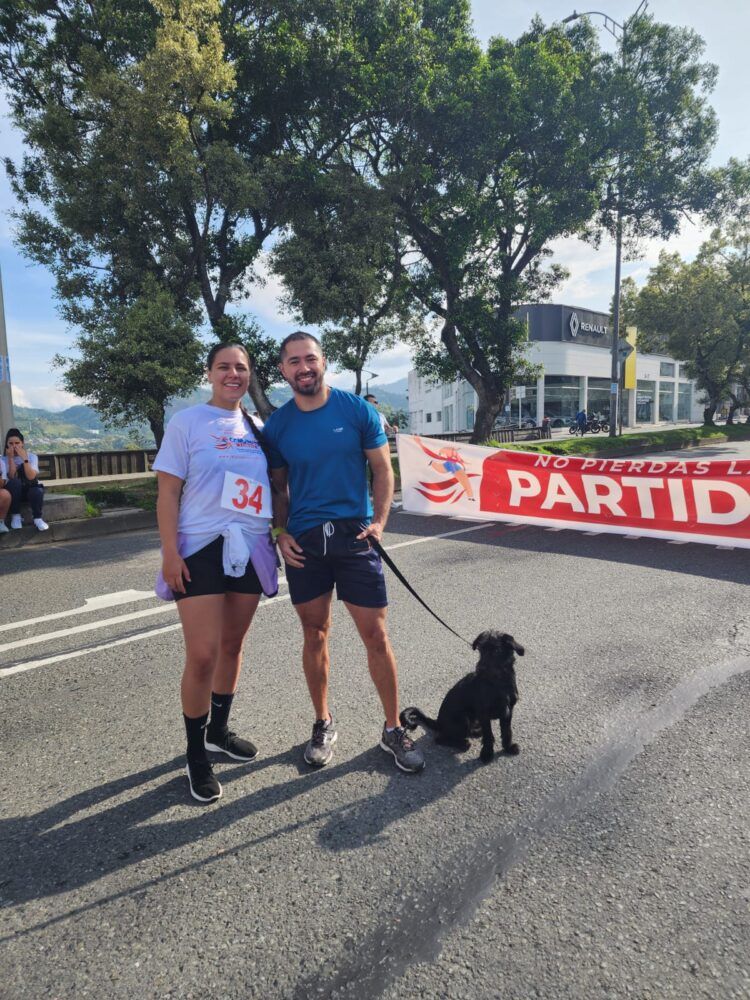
<point>275,532</point>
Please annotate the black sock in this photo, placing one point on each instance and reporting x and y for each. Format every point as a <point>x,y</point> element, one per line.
<point>221,705</point>
<point>194,728</point>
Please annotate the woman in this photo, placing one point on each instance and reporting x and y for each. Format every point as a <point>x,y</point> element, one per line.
<point>4,499</point>
<point>21,472</point>
<point>214,515</point>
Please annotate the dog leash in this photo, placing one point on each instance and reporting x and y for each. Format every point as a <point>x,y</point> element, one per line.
<point>397,572</point>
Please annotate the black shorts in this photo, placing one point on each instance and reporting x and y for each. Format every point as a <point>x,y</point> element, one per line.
<point>334,555</point>
<point>206,569</point>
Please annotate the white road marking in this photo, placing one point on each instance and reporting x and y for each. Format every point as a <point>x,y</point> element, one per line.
<point>20,668</point>
<point>88,627</point>
<point>90,604</point>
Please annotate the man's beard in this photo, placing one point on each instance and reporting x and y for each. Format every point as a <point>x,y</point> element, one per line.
<point>309,388</point>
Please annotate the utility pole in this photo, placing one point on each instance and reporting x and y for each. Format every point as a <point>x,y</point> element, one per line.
<point>619,33</point>
<point>6,395</point>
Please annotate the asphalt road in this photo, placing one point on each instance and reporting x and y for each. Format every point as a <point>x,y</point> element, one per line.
<point>609,859</point>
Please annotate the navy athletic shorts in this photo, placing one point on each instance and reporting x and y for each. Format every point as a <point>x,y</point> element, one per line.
<point>334,555</point>
<point>206,569</point>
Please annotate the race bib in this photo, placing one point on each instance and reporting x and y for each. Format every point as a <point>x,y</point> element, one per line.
<point>245,496</point>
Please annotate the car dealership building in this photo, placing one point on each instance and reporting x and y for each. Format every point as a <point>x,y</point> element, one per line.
<point>573,347</point>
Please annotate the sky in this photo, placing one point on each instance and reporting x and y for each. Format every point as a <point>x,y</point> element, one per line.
<point>36,333</point>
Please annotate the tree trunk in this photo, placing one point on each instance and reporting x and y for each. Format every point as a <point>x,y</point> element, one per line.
<point>263,404</point>
<point>157,428</point>
<point>357,381</point>
<point>488,407</point>
<point>732,410</point>
<point>708,413</point>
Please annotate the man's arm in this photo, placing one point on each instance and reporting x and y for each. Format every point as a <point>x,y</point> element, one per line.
<point>382,490</point>
<point>290,551</point>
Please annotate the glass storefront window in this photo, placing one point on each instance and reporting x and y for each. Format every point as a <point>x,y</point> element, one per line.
<point>448,418</point>
<point>666,369</point>
<point>684,400</point>
<point>645,402</point>
<point>597,404</point>
<point>666,401</point>
<point>561,395</point>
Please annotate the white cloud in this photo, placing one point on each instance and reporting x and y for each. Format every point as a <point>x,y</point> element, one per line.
<point>46,397</point>
<point>19,396</point>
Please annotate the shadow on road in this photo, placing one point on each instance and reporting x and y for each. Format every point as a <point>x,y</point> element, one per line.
<point>85,838</point>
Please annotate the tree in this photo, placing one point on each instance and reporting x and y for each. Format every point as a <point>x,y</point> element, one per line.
<point>487,158</point>
<point>661,131</point>
<point>700,311</point>
<point>628,304</point>
<point>690,310</point>
<point>132,360</point>
<point>342,263</point>
<point>166,138</point>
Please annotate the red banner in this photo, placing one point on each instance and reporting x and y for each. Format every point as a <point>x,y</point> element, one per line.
<point>694,500</point>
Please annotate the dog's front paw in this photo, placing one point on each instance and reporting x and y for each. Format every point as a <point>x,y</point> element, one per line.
<point>487,754</point>
<point>512,750</point>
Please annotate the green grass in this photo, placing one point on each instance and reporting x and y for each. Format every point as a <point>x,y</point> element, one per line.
<point>137,493</point>
<point>631,444</point>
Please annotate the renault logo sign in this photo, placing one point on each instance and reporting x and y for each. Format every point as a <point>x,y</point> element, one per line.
<point>594,329</point>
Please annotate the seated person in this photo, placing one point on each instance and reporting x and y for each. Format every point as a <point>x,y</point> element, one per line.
<point>4,501</point>
<point>20,470</point>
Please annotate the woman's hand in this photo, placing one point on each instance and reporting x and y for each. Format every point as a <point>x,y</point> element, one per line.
<point>175,572</point>
<point>22,453</point>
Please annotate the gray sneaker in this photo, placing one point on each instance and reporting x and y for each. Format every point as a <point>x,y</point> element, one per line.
<point>320,748</point>
<point>407,756</point>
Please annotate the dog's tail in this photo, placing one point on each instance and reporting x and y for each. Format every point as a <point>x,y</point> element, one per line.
<point>412,717</point>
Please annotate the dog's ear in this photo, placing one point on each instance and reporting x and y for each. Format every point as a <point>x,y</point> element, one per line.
<point>516,646</point>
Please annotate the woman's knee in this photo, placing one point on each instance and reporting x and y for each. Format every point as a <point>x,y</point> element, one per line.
<point>200,664</point>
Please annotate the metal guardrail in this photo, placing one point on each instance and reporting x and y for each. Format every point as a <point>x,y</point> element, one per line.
<point>81,464</point>
<point>505,435</point>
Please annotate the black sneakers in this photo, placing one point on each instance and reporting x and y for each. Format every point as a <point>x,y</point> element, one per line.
<point>203,784</point>
<point>230,744</point>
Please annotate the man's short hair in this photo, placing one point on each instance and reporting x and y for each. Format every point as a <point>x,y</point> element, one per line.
<point>370,396</point>
<point>298,335</point>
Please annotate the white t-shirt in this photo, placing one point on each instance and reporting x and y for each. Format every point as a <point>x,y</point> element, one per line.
<point>33,462</point>
<point>200,445</point>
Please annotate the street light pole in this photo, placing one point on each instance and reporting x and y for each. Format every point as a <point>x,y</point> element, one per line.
<point>615,400</point>
<point>367,383</point>
<point>6,393</point>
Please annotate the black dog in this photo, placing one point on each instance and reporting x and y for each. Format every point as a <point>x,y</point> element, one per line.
<point>469,707</point>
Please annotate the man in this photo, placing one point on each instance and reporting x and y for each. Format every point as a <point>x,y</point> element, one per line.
<point>320,444</point>
<point>387,428</point>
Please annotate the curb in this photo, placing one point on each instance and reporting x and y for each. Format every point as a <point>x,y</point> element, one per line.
<point>93,527</point>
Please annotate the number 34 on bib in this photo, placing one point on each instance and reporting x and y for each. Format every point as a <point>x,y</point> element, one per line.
<point>245,496</point>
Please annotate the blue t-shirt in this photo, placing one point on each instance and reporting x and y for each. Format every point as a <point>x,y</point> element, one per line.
<point>324,452</point>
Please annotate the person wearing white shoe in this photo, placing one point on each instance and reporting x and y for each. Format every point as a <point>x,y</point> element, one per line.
<point>20,470</point>
<point>4,502</point>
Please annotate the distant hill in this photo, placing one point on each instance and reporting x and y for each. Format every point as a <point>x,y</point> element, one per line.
<point>80,428</point>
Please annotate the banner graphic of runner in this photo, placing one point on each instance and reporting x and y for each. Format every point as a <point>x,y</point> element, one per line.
<point>688,500</point>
